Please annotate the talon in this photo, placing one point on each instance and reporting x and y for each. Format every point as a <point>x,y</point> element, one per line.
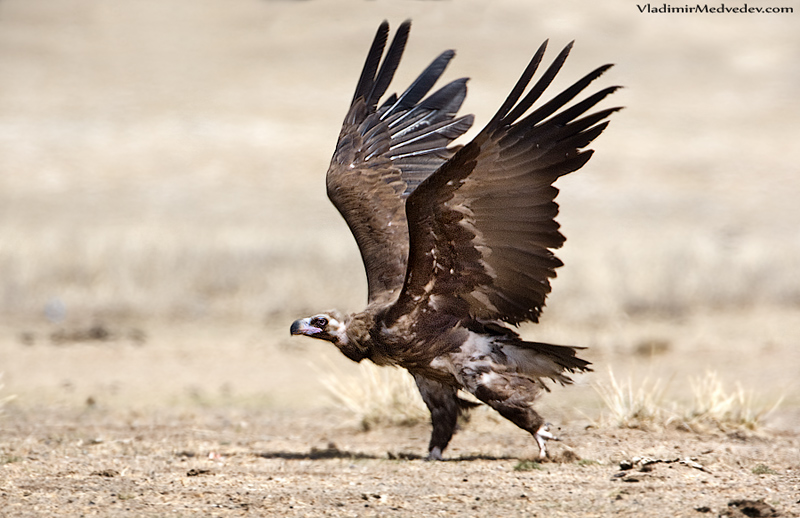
<point>435,454</point>
<point>543,434</point>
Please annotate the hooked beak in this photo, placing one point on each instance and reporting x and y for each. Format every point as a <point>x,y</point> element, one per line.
<point>303,327</point>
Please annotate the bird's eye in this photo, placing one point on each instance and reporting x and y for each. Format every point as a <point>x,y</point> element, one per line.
<point>319,322</point>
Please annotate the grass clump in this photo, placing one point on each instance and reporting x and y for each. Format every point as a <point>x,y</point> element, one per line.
<point>711,407</point>
<point>763,469</point>
<point>632,408</point>
<point>527,465</point>
<point>377,395</point>
<point>714,406</point>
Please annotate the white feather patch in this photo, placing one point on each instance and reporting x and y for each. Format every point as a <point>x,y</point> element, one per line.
<point>338,329</point>
<point>481,353</point>
<point>474,354</point>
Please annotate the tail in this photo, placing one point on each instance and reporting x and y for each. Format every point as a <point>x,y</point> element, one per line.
<point>541,360</point>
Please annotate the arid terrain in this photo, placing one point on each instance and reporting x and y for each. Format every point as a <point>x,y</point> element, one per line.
<point>163,219</point>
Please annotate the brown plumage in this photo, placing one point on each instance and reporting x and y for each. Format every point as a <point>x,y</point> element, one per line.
<point>457,241</point>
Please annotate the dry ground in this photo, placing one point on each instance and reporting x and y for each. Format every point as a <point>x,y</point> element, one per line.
<point>231,420</point>
<point>163,219</point>
<point>223,462</point>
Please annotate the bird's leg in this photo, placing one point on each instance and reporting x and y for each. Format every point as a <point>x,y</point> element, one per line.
<point>542,435</point>
<point>512,396</point>
<point>526,418</point>
<point>442,401</point>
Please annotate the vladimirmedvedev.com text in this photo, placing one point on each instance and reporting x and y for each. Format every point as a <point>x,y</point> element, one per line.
<point>712,9</point>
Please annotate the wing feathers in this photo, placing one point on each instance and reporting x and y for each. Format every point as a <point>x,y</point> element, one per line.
<point>566,96</point>
<point>473,226</point>
<point>371,64</point>
<point>384,153</point>
<point>420,87</point>
<point>389,65</point>
<point>482,227</point>
<point>445,130</point>
<point>518,89</point>
<point>540,86</point>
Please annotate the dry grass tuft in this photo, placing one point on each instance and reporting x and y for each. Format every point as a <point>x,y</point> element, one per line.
<point>377,395</point>
<point>6,399</point>
<point>711,407</point>
<point>714,407</point>
<point>629,407</point>
<point>380,396</point>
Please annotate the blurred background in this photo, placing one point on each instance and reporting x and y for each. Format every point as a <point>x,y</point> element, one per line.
<point>162,174</point>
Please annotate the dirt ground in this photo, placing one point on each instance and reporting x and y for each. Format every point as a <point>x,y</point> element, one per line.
<point>227,462</point>
<point>169,423</point>
<point>223,462</point>
<point>163,220</point>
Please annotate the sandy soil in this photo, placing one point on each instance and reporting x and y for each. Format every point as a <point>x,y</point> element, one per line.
<point>162,422</point>
<point>163,219</point>
<point>222,462</point>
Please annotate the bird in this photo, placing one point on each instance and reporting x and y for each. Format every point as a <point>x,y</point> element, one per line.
<point>457,240</point>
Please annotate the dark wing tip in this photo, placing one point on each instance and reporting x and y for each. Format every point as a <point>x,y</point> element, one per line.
<point>367,78</point>
<point>390,63</point>
<point>519,88</point>
<point>514,108</point>
<point>373,82</point>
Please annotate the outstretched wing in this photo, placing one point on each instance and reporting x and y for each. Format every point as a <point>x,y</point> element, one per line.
<point>482,228</point>
<point>384,153</point>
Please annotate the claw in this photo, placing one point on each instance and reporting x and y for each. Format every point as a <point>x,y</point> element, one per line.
<point>543,434</point>
<point>435,454</point>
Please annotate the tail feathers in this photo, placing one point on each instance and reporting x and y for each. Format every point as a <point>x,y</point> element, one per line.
<point>542,360</point>
<point>563,354</point>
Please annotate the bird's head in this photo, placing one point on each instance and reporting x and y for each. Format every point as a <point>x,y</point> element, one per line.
<point>330,326</point>
<point>325,326</point>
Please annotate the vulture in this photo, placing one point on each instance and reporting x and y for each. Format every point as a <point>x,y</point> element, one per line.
<point>457,241</point>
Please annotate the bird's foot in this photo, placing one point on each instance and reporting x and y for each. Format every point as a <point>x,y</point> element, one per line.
<point>542,435</point>
<point>435,454</point>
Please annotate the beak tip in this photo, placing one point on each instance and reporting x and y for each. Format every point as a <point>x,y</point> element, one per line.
<point>296,328</point>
